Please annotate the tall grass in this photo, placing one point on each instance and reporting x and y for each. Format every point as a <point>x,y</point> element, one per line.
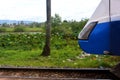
<point>25,50</point>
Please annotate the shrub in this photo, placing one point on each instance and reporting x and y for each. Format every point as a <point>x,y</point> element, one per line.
<point>2,29</point>
<point>19,29</point>
<point>21,41</point>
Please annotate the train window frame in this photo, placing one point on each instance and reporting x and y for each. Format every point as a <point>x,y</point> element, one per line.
<point>86,31</point>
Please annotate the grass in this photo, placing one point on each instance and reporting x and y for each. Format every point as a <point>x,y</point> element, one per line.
<point>64,53</point>
<point>27,29</point>
<point>34,29</point>
<point>58,58</point>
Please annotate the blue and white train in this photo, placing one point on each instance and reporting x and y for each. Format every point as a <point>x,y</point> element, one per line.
<point>101,34</point>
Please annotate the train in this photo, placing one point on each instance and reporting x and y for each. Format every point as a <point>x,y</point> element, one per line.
<point>101,34</point>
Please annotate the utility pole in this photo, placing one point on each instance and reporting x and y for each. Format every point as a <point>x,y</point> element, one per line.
<point>46,49</point>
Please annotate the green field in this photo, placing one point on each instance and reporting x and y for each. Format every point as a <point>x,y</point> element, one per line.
<point>24,49</point>
<point>22,45</point>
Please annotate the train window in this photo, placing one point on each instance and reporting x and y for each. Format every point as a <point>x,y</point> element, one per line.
<point>84,34</point>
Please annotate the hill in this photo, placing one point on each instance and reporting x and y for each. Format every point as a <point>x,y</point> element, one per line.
<point>15,21</point>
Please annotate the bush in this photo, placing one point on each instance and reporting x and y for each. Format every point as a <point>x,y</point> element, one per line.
<point>2,29</point>
<point>22,41</point>
<point>19,29</point>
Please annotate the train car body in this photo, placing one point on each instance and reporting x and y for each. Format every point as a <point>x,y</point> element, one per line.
<point>101,34</point>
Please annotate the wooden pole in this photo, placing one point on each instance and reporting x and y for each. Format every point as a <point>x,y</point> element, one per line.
<point>46,50</point>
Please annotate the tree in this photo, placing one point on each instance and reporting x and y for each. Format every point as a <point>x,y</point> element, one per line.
<point>56,20</point>
<point>35,24</point>
<point>5,25</point>
<point>21,22</point>
<point>77,26</point>
<point>46,49</point>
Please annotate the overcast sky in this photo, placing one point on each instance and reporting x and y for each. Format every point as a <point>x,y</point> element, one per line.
<point>35,10</point>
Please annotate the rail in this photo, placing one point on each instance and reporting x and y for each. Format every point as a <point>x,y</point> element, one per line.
<point>24,73</point>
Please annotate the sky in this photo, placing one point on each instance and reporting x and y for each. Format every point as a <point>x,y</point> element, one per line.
<point>35,10</point>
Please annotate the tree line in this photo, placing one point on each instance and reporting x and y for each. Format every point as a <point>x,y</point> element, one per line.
<point>58,27</point>
<point>66,28</point>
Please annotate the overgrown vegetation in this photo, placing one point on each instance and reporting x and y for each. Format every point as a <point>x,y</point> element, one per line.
<point>2,29</point>
<point>21,41</point>
<point>19,29</point>
<point>24,49</point>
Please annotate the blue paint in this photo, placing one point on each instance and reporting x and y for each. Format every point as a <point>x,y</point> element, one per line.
<point>104,37</point>
<point>98,41</point>
<point>115,37</point>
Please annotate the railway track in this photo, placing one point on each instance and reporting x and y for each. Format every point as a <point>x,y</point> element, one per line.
<point>7,73</point>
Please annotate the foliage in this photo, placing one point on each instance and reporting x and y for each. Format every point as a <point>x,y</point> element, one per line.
<point>69,29</point>
<point>5,25</point>
<point>35,24</point>
<point>23,49</point>
<point>77,26</point>
<point>2,29</point>
<point>56,20</point>
<point>65,29</point>
<point>19,29</point>
<point>21,41</point>
<point>33,29</point>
